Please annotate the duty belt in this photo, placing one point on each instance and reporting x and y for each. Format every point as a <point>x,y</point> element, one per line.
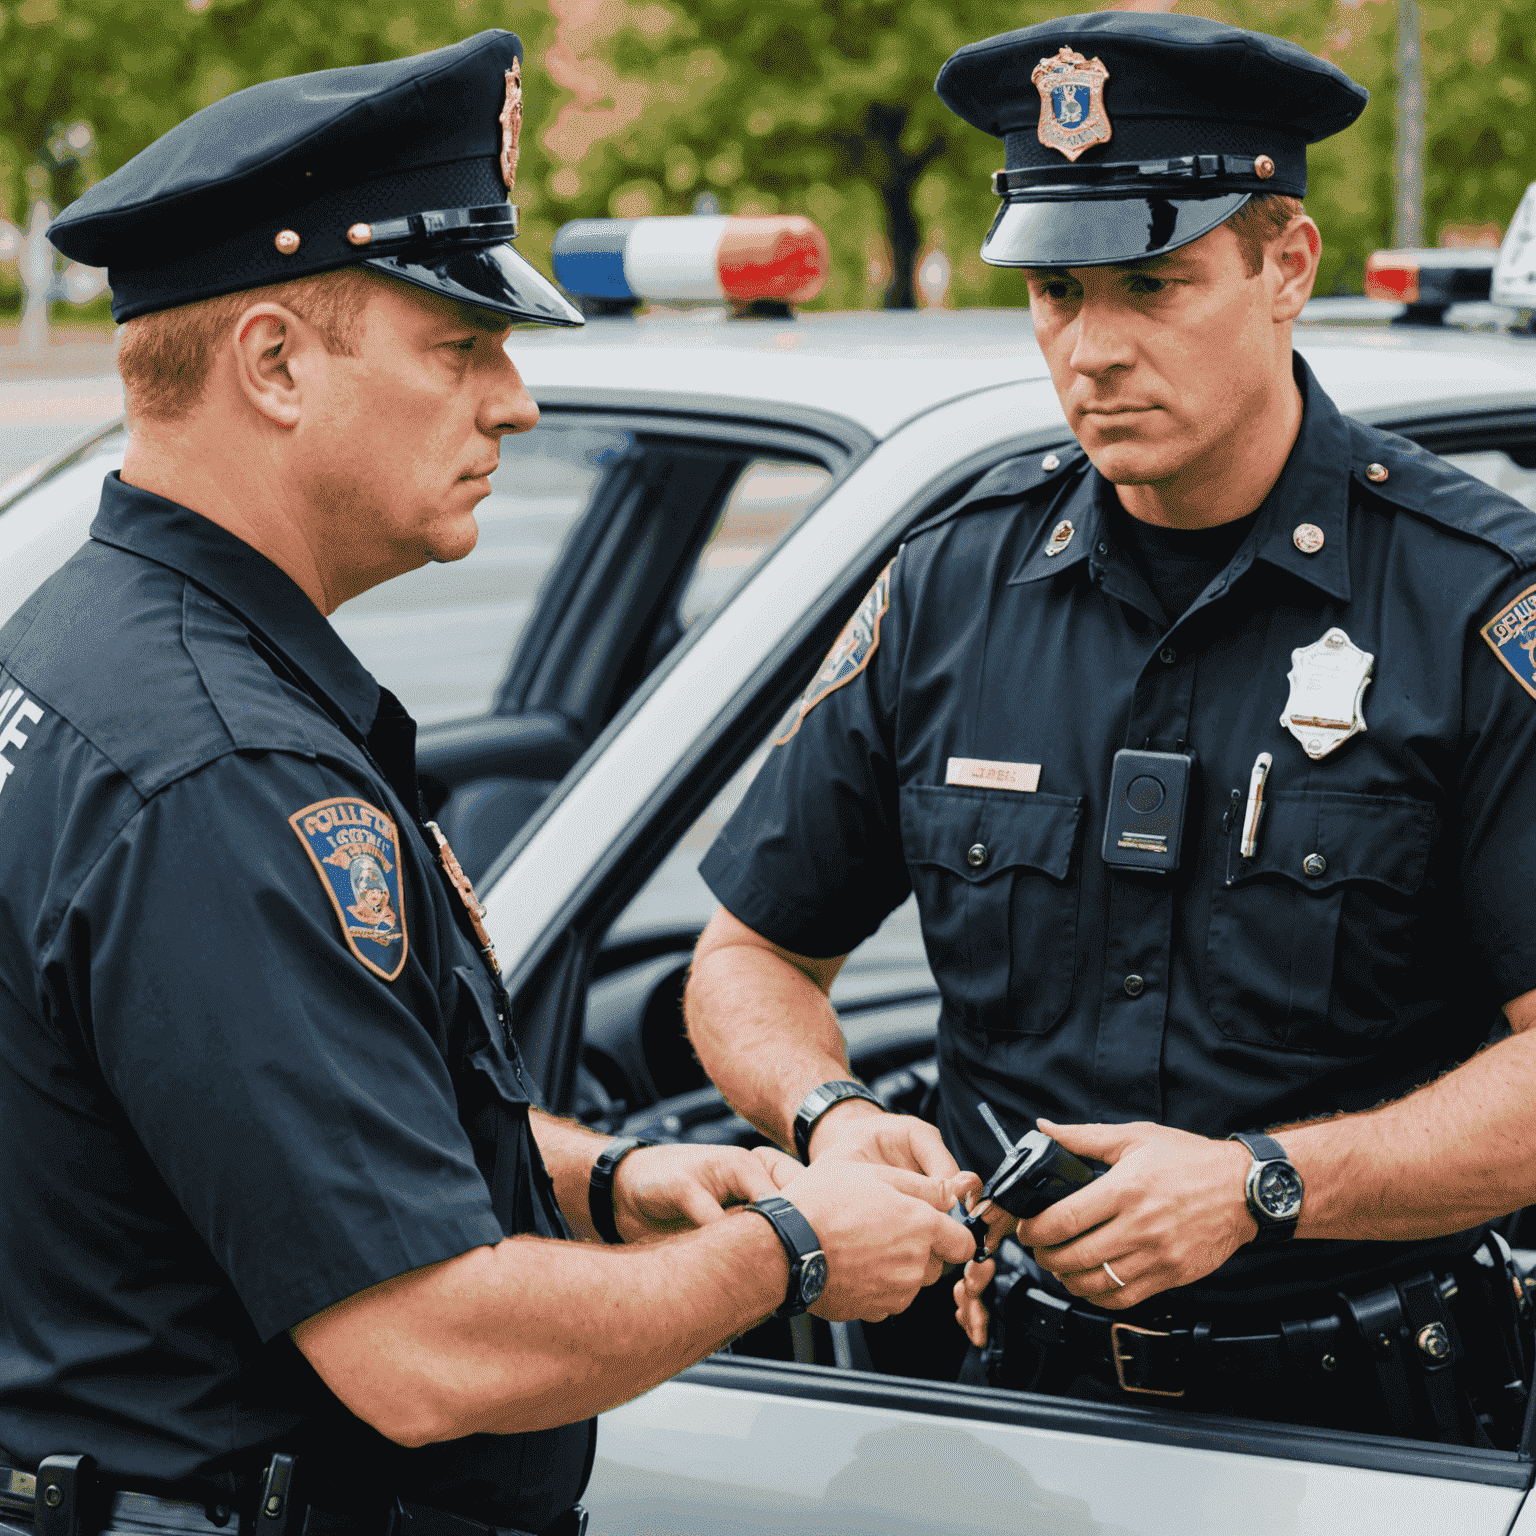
<point>63,1498</point>
<point>1406,1333</point>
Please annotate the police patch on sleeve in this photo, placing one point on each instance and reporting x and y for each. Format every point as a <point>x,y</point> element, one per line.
<point>1512,634</point>
<point>355,849</point>
<point>850,653</point>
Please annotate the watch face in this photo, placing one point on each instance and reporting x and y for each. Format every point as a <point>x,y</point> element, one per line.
<point>813,1278</point>
<point>1278,1191</point>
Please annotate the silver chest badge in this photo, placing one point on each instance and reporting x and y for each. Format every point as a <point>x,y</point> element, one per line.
<point>1328,681</point>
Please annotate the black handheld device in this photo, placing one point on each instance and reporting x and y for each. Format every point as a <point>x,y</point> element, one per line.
<point>1037,1173</point>
<point>1144,826</point>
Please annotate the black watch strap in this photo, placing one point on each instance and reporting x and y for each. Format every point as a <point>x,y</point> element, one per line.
<point>1265,1150</point>
<point>802,1248</point>
<point>817,1102</point>
<point>600,1185</point>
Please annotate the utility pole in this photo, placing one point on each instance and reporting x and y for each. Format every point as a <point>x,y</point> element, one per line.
<point>1408,156</point>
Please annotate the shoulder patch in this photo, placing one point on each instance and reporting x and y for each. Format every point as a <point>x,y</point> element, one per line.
<point>355,849</point>
<point>1512,634</point>
<point>850,653</point>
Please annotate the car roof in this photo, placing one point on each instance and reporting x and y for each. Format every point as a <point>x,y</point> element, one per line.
<point>882,368</point>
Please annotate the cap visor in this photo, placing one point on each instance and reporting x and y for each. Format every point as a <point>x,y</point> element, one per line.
<point>491,277</point>
<point>1092,232</point>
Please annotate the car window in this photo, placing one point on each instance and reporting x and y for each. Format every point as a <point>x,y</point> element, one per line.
<point>440,636</point>
<point>766,502</point>
<point>1496,468</point>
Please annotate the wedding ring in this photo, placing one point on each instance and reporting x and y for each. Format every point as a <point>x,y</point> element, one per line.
<point>1112,1275</point>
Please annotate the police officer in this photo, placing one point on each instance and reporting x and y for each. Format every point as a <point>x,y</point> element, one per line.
<point>1207,747</point>
<point>284,1236</point>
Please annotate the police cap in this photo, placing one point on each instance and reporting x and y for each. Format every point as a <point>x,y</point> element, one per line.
<point>1128,134</point>
<point>405,167</point>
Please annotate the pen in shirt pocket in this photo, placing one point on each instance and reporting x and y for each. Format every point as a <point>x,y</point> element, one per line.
<point>1254,810</point>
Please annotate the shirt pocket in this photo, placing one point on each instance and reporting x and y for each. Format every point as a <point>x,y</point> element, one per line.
<point>997,886</point>
<point>1314,942</point>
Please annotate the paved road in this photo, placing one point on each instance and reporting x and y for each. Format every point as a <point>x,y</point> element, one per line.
<point>50,402</point>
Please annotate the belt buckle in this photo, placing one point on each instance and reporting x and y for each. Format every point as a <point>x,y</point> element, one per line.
<point>1121,1360</point>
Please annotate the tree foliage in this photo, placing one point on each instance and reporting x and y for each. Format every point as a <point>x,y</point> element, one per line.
<point>820,106</point>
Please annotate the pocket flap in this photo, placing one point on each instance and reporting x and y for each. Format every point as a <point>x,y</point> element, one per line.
<point>947,824</point>
<point>1320,840</point>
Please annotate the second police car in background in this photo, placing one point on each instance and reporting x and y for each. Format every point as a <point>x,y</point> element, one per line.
<point>662,564</point>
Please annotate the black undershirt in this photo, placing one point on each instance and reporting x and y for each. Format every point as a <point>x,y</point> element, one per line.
<point>1177,563</point>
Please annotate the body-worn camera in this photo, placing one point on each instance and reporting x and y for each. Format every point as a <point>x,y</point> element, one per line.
<point>1034,1175</point>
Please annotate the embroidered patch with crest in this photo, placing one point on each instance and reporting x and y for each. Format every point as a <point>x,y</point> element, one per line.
<point>1512,634</point>
<point>1072,115</point>
<point>511,120</point>
<point>850,652</point>
<point>355,849</point>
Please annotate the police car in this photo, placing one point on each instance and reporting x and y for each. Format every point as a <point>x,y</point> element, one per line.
<point>662,564</point>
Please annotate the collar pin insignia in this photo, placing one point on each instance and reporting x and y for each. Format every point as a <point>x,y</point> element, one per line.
<point>1072,115</point>
<point>1308,538</point>
<point>1061,536</point>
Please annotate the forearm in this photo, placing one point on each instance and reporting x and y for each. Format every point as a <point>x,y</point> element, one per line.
<point>765,1033</point>
<point>569,1150</point>
<point>1459,1151</point>
<point>533,1333</point>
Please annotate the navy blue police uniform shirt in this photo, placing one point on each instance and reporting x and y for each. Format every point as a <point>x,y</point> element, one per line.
<point>1369,944</point>
<point>250,1063</point>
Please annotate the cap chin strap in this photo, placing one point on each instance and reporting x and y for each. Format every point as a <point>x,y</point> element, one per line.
<point>1183,176</point>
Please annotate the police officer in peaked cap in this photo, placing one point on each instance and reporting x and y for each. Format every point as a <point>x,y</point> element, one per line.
<point>1207,744</point>
<point>286,1240</point>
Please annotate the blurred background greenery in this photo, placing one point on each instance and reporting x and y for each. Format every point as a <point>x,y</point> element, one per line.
<point>818,106</point>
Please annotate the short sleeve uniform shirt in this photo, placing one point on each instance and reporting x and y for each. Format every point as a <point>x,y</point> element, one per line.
<point>1365,947</point>
<point>250,1061</point>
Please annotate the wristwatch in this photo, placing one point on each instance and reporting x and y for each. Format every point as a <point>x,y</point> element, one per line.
<point>1273,1189</point>
<point>816,1103</point>
<point>807,1263</point>
<point>600,1184</point>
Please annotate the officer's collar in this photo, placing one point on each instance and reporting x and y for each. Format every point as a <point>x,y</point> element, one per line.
<point>1313,489</point>
<point>264,596</point>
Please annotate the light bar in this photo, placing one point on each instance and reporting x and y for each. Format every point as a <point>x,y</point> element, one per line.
<point>695,256</point>
<point>1429,279</point>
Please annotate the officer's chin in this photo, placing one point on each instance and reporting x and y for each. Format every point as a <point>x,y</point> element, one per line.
<point>1131,463</point>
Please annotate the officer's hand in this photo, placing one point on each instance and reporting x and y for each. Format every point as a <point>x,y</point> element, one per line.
<point>657,1190</point>
<point>1169,1212</point>
<point>884,1230</point>
<point>970,1311</point>
<point>857,1130</point>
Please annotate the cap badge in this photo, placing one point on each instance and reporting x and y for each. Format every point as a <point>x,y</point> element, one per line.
<point>511,120</point>
<point>1072,115</point>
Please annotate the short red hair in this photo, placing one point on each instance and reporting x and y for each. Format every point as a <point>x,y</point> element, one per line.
<point>165,357</point>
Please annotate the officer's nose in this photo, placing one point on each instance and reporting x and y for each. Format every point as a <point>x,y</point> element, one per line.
<point>1099,343</point>
<point>507,407</point>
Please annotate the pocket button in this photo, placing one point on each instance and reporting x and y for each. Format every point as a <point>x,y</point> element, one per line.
<point>1314,866</point>
<point>1134,986</point>
<point>976,855</point>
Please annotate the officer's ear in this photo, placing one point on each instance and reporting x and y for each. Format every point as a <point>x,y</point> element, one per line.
<point>268,340</point>
<point>1294,253</point>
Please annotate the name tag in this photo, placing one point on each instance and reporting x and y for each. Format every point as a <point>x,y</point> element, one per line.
<point>980,774</point>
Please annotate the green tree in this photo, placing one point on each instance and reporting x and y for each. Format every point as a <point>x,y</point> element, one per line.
<point>132,69</point>
<point>825,106</point>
